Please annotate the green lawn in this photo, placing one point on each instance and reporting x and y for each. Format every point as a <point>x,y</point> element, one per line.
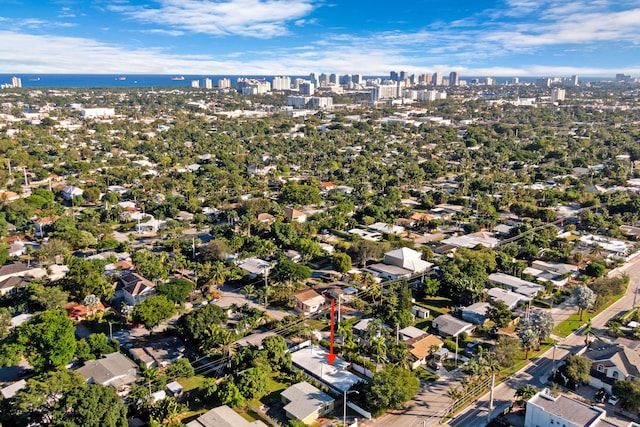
<point>565,328</point>
<point>440,305</point>
<point>191,383</point>
<point>316,324</point>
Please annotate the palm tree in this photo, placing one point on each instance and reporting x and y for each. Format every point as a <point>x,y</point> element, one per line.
<point>249,290</point>
<point>525,393</point>
<point>454,393</point>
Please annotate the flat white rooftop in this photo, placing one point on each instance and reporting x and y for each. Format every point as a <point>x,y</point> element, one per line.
<point>314,361</point>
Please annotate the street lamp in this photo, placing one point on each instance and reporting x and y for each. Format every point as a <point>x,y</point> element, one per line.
<point>553,364</point>
<point>110,332</point>
<point>344,413</point>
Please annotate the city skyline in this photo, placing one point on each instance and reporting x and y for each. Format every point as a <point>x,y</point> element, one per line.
<point>296,37</point>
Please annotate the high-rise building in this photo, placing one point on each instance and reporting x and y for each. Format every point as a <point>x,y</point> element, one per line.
<point>323,80</point>
<point>424,79</point>
<point>333,79</point>
<point>436,79</point>
<point>454,79</point>
<point>402,75</point>
<point>543,82</point>
<point>515,80</point>
<point>195,83</point>
<point>208,84</point>
<point>16,82</point>
<point>313,78</point>
<point>573,81</point>
<point>393,76</point>
<point>357,79</point>
<point>307,88</point>
<point>281,83</point>
<point>224,83</point>
<point>490,81</point>
<point>557,94</point>
<point>388,91</point>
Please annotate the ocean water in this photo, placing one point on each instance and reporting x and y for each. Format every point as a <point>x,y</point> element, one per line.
<point>113,80</point>
<point>141,80</point>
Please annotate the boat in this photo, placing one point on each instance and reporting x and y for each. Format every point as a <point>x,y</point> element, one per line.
<point>36,79</point>
<point>177,78</point>
<point>121,78</point>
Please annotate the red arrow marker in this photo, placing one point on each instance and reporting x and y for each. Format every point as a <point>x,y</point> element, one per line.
<point>331,357</point>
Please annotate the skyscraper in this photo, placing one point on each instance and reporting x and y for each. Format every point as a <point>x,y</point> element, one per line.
<point>195,83</point>
<point>557,94</point>
<point>454,79</point>
<point>436,79</point>
<point>224,83</point>
<point>16,82</point>
<point>393,76</point>
<point>281,83</point>
<point>208,84</point>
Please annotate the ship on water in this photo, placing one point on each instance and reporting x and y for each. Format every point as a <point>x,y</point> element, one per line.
<point>122,78</point>
<point>177,78</point>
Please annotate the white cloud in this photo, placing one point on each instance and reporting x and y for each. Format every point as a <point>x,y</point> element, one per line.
<point>252,18</point>
<point>173,33</point>
<point>26,53</point>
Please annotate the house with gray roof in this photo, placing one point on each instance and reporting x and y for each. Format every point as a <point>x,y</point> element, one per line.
<point>448,325</point>
<point>115,370</point>
<point>511,299</point>
<point>476,313</point>
<point>305,402</point>
<point>611,362</point>
<point>223,416</point>
<point>515,284</point>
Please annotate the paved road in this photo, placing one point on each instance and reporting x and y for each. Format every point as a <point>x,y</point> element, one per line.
<point>230,296</point>
<point>537,372</point>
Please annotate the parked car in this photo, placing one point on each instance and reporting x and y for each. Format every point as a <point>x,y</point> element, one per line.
<point>613,400</point>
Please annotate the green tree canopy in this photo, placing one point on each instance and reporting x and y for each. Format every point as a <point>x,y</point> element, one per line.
<point>499,313</point>
<point>577,369</point>
<point>177,290</point>
<point>62,398</point>
<point>253,383</point>
<point>192,325</point>
<point>390,388</point>
<point>341,262</point>
<point>152,311</point>
<point>47,340</point>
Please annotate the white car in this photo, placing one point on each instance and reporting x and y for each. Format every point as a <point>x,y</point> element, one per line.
<point>613,400</point>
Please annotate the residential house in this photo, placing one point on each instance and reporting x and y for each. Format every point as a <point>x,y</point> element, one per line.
<point>71,191</point>
<point>79,312</point>
<point>481,238</point>
<point>516,284</point>
<point>13,276</point>
<point>545,410</point>
<point>388,272</point>
<point>447,325</point>
<point>408,259</point>
<point>382,227</point>
<point>150,226</point>
<point>511,299</point>
<point>295,215</point>
<point>158,353</point>
<point>223,416</point>
<point>422,347</point>
<point>12,284</point>
<point>308,301</point>
<point>306,403</point>
<point>611,362</point>
<point>293,255</point>
<point>115,370</point>
<point>266,218</point>
<point>475,313</point>
<point>555,272</point>
<point>254,267</point>
<point>134,288</point>
<point>41,223</point>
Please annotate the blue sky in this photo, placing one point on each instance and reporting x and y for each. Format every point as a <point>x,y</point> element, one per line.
<point>296,37</point>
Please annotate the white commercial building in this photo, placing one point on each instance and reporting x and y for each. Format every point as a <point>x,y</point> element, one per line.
<point>224,83</point>
<point>98,112</point>
<point>281,83</point>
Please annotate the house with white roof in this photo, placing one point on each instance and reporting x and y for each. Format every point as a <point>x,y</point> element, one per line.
<point>408,259</point>
<point>511,299</point>
<point>557,273</point>
<point>254,266</point>
<point>71,191</point>
<point>545,409</point>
